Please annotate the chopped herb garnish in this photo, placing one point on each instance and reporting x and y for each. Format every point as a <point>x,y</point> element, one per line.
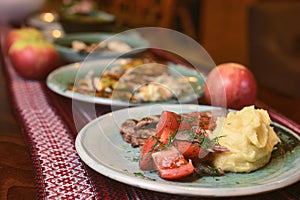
<point>139,174</point>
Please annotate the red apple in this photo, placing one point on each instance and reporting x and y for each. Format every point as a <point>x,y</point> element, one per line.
<point>230,85</point>
<point>33,58</point>
<point>22,33</point>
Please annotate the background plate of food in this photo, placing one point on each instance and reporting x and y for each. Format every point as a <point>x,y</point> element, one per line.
<point>127,82</point>
<point>100,144</point>
<point>77,46</point>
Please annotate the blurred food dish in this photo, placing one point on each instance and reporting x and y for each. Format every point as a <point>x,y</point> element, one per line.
<point>80,46</point>
<point>84,16</point>
<point>87,22</point>
<point>104,82</point>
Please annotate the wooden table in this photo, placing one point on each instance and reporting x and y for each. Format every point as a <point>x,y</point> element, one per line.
<point>16,171</point>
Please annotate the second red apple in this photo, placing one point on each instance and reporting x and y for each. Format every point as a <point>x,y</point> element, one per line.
<point>22,33</point>
<point>33,59</point>
<point>230,85</point>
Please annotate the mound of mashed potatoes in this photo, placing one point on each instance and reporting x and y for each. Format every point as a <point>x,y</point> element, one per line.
<point>248,136</point>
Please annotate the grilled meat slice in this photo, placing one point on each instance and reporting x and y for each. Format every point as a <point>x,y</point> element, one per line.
<point>137,132</point>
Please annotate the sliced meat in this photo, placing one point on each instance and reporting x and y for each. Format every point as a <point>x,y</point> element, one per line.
<point>137,132</point>
<point>127,129</point>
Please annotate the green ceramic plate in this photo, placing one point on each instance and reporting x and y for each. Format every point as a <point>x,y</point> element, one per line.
<point>60,79</point>
<point>100,145</point>
<point>63,45</point>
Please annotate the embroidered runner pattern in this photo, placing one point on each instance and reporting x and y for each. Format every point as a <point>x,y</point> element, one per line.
<point>61,173</point>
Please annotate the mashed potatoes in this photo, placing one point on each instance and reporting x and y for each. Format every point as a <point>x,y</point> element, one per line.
<point>249,138</point>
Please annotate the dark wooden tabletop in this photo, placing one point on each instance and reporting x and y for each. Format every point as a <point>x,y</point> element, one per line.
<point>16,171</point>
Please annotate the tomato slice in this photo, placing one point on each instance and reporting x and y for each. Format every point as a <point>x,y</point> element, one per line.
<point>166,128</point>
<point>174,144</point>
<point>201,119</point>
<point>171,164</point>
<point>177,173</point>
<point>168,120</point>
<point>146,160</point>
<point>188,149</point>
<point>167,135</point>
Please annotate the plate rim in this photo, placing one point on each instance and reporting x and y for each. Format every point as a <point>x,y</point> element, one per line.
<point>179,190</point>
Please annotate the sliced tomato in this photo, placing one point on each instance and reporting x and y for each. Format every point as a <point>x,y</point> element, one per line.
<point>188,121</point>
<point>201,119</point>
<point>171,164</point>
<point>168,120</point>
<point>166,129</point>
<point>177,173</point>
<point>188,149</point>
<point>146,160</point>
<point>167,135</point>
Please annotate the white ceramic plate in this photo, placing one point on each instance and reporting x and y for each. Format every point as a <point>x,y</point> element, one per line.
<point>60,79</point>
<point>101,147</point>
